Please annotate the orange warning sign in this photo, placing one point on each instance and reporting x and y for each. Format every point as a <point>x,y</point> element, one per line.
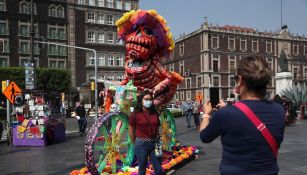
<point>11,91</point>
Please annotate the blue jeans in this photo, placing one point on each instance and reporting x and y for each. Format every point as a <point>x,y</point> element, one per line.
<point>143,149</point>
<point>188,116</point>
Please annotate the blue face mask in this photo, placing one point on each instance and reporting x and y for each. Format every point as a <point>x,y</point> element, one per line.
<point>147,103</point>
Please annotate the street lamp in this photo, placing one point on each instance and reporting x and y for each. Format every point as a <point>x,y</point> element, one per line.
<point>32,33</point>
<point>88,49</point>
<point>209,85</point>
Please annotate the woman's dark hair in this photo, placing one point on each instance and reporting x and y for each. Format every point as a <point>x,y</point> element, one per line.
<point>256,74</point>
<point>139,105</point>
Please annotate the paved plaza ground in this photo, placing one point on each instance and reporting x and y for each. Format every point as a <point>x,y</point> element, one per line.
<point>64,157</point>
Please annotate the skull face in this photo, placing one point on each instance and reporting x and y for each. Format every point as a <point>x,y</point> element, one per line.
<point>141,44</point>
<point>114,107</point>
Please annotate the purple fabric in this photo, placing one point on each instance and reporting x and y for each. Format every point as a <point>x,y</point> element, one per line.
<point>27,141</point>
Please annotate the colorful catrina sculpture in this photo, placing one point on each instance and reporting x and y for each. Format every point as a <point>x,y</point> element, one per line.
<point>148,41</point>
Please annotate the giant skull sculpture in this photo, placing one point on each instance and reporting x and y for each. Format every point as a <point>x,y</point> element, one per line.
<point>148,40</point>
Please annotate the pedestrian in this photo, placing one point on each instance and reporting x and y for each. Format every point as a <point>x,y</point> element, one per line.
<point>189,110</point>
<point>196,111</point>
<point>246,148</point>
<point>302,111</point>
<point>143,132</point>
<point>81,116</point>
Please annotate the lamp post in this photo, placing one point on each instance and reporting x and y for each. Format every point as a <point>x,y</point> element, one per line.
<point>32,33</point>
<point>88,49</point>
<point>209,86</point>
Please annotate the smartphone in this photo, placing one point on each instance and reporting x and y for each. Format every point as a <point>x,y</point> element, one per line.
<point>214,96</point>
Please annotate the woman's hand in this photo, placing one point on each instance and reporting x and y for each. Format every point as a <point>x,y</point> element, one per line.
<point>221,104</point>
<point>207,107</point>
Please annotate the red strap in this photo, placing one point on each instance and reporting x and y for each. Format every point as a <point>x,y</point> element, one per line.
<point>259,125</point>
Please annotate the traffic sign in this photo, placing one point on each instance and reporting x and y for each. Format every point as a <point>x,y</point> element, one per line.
<point>12,91</point>
<point>3,85</point>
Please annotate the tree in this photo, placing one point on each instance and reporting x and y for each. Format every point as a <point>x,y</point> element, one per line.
<point>48,80</point>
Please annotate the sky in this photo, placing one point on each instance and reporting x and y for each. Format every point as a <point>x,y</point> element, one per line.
<point>186,16</point>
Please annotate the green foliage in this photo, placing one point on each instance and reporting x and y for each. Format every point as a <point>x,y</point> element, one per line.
<point>296,94</point>
<point>176,112</point>
<point>48,80</point>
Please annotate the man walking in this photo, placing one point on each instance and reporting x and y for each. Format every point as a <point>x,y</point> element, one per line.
<point>81,116</point>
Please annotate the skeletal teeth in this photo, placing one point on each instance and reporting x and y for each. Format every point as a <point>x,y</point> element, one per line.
<point>142,40</point>
<point>135,47</point>
<point>143,49</point>
<point>139,47</point>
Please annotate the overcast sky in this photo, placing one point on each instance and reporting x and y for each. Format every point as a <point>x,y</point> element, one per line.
<point>186,16</point>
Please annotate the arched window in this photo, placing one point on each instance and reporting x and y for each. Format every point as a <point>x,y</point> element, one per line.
<point>24,7</point>
<point>2,5</point>
<point>52,11</point>
<point>30,9</point>
<point>61,12</point>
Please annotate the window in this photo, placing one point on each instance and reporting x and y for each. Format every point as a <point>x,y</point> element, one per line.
<point>3,62</point>
<point>232,64</point>
<point>91,37</point>
<point>61,12</point>
<point>91,2</point>
<point>61,33</point>
<point>232,82</point>
<point>52,50</point>
<point>100,18</point>
<point>52,32</point>
<point>119,78</point>
<point>268,46</point>
<point>171,67</point>
<point>216,81</point>
<point>110,3</point>
<point>101,61</point>
<point>90,17</point>
<point>52,11</point>
<point>2,6</point>
<point>110,38</point>
<point>305,73</point>
<point>198,81</point>
<point>119,4</point>
<point>295,72</point>
<point>305,49</point>
<point>81,1</point>
<point>6,46</point>
<point>188,83</point>
<point>255,45</point>
<point>24,7</point>
<point>100,3</point>
<point>52,64</point>
<point>270,62</point>
<point>61,64</point>
<point>61,51</point>
<point>214,41</point>
<point>100,37</point>
<point>119,61</point>
<point>110,61</point>
<point>109,19</point>
<point>295,49</point>
<point>127,5</point>
<point>181,67</point>
<point>243,44</point>
<point>91,60</point>
<point>24,47</point>
<point>181,49</point>
<point>215,65</point>
<point>188,95</point>
<point>23,30</point>
<point>231,42</point>
<point>3,29</point>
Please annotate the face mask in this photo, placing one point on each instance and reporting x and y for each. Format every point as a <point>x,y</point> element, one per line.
<point>147,103</point>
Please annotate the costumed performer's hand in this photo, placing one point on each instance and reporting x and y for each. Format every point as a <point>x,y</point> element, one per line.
<point>207,107</point>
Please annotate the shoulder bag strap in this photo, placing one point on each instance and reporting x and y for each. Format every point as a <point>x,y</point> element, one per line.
<point>259,125</point>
